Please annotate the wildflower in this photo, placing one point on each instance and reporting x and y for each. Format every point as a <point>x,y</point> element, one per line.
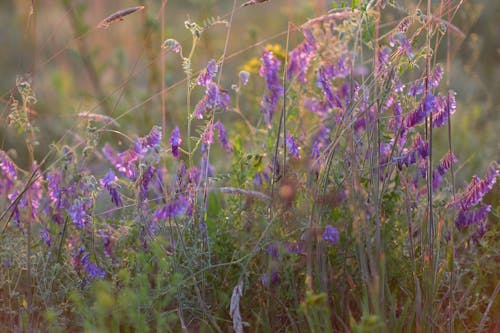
<point>207,139</point>
<point>244,75</point>
<point>7,166</point>
<point>443,166</point>
<point>436,76</point>
<point>78,213</point>
<point>54,187</point>
<point>445,106</point>
<point>214,98</point>
<point>326,74</point>
<point>416,88</point>
<point>476,216</point>
<point>476,190</point>
<point>93,270</point>
<point>175,142</point>
<point>106,242</point>
<point>295,247</point>
<point>153,139</point>
<point>331,235</point>
<point>172,45</point>
<point>108,182</point>
<point>423,110</point>
<point>395,121</point>
<point>272,250</point>
<point>45,236</point>
<point>270,71</point>
<point>292,146</point>
<point>269,279</point>
<point>175,208</point>
<point>316,106</point>
<point>208,74</point>
<point>145,180</point>
<point>404,44</point>
<point>222,135</point>
<point>383,63</point>
<point>300,59</point>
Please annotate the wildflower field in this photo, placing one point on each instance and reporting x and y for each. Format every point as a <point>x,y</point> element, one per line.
<point>249,166</point>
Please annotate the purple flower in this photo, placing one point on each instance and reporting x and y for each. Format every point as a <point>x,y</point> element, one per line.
<point>208,74</point>
<point>292,146</point>
<point>7,166</point>
<point>270,71</point>
<point>106,242</point>
<point>295,247</point>
<point>476,190</point>
<point>417,88</point>
<point>269,279</point>
<point>300,58</point>
<point>315,106</point>
<point>418,152</point>
<point>331,235</point>
<point>384,61</point>
<point>109,183</point>
<point>207,139</point>
<point>175,208</point>
<point>395,121</point>
<point>443,166</point>
<point>54,187</point>
<point>45,236</point>
<point>222,135</point>
<point>423,110</point>
<point>476,216</point>
<point>244,75</point>
<point>153,139</point>
<point>214,98</point>
<point>445,106</point>
<point>145,180</point>
<point>436,76</point>
<point>79,215</point>
<point>272,250</point>
<point>172,45</point>
<point>404,44</point>
<point>93,270</point>
<point>325,75</point>
<point>175,142</point>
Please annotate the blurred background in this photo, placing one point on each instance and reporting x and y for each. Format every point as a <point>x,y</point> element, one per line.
<point>77,68</point>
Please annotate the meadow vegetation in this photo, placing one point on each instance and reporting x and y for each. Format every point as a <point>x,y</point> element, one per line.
<point>310,188</point>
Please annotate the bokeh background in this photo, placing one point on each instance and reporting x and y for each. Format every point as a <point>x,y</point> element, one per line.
<point>117,71</point>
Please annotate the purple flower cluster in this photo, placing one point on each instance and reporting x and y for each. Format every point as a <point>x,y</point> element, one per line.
<point>215,97</point>
<point>329,72</point>
<point>109,183</point>
<point>222,135</point>
<point>270,71</point>
<point>293,147</point>
<point>8,173</point>
<point>126,162</point>
<point>175,208</point>
<point>477,189</point>
<point>418,152</point>
<point>331,235</point>
<point>445,106</point>
<point>443,166</point>
<point>81,261</point>
<point>467,202</point>
<point>424,109</point>
<point>301,56</point>
<point>175,142</point>
<point>404,45</point>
